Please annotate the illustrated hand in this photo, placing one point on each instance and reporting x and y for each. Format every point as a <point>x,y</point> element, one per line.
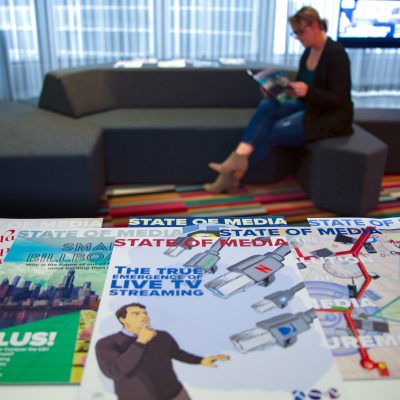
<point>299,89</point>
<point>145,335</point>
<point>209,361</point>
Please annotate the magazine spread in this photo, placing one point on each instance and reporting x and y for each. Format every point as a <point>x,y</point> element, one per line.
<point>50,287</point>
<point>229,318</point>
<point>274,82</point>
<point>352,275</point>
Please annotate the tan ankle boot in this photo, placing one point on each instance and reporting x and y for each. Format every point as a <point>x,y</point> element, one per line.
<point>223,183</point>
<point>236,164</point>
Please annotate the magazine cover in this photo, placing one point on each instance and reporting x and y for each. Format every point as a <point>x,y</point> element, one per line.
<point>274,82</point>
<point>50,287</point>
<point>193,227</point>
<point>51,223</point>
<point>227,319</point>
<point>239,222</point>
<point>352,275</point>
<point>9,227</point>
<point>380,223</point>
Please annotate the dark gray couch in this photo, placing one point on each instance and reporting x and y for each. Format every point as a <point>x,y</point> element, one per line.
<point>162,125</point>
<point>51,165</point>
<point>98,126</point>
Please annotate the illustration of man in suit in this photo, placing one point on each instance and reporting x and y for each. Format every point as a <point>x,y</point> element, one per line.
<point>139,358</point>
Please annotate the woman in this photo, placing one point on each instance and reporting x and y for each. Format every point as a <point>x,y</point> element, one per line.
<point>321,105</point>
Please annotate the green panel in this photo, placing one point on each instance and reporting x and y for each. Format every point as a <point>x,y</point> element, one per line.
<point>29,355</point>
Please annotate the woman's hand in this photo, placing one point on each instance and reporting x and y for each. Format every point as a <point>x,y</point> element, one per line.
<point>264,92</point>
<point>299,89</point>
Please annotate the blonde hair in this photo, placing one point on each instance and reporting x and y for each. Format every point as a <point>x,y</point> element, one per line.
<point>308,15</point>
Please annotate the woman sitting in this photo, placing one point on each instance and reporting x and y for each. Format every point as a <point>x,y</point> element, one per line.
<point>321,106</point>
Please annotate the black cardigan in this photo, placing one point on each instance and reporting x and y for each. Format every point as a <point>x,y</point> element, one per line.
<point>328,105</point>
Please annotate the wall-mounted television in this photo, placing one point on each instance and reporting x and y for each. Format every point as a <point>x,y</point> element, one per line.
<point>369,23</point>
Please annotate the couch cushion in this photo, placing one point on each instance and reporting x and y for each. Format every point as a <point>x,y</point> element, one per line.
<point>77,93</point>
<point>142,118</point>
<point>175,145</point>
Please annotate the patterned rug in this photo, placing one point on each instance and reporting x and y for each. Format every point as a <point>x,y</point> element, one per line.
<point>284,198</point>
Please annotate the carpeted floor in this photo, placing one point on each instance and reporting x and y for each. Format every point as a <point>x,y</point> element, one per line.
<point>283,198</point>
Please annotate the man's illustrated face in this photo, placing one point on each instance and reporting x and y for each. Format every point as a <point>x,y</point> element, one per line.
<point>136,319</point>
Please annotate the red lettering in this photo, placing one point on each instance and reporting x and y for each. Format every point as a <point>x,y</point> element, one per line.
<point>7,236</point>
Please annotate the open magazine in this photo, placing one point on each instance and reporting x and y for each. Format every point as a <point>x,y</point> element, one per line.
<point>274,82</point>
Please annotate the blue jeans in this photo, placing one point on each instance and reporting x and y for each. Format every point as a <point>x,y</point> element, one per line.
<point>274,124</point>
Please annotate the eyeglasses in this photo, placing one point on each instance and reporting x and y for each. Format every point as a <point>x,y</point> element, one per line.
<point>298,33</point>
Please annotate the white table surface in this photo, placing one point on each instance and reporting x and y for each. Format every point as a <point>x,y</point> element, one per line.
<point>356,390</point>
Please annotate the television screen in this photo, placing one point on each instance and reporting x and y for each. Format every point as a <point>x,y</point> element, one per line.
<point>369,23</point>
